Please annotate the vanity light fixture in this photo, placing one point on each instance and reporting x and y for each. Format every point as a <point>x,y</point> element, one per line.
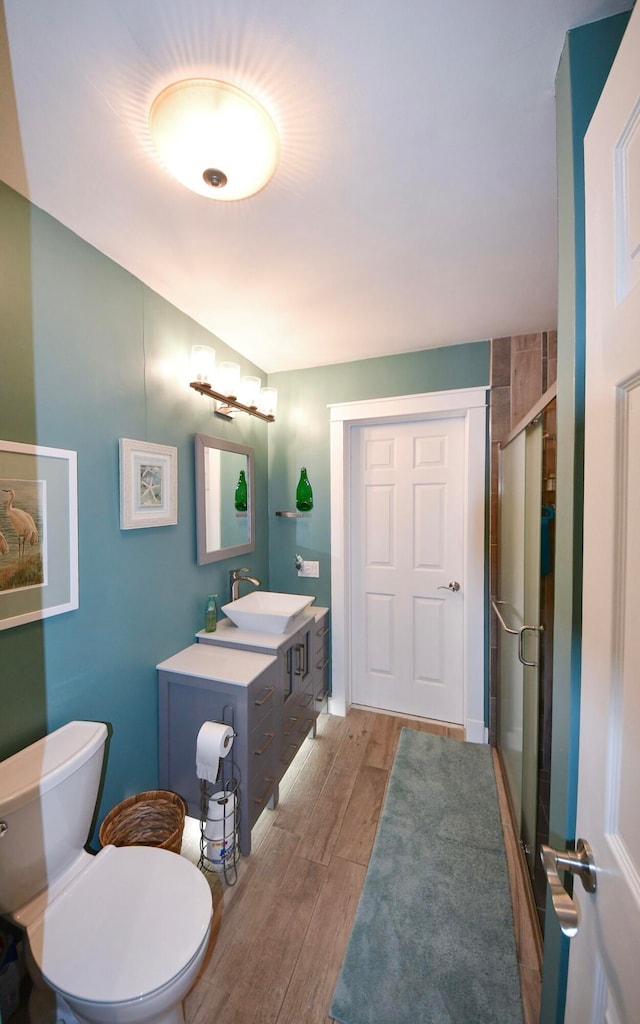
<point>203,362</point>
<point>269,401</point>
<point>214,138</point>
<point>261,402</point>
<point>250,391</point>
<point>228,379</point>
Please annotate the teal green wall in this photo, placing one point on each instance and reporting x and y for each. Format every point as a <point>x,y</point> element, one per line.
<point>91,355</point>
<point>584,66</point>
<point>300,437</point>
<point>23,713</point>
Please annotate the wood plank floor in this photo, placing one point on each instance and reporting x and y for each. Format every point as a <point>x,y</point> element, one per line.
<point>281,932</point>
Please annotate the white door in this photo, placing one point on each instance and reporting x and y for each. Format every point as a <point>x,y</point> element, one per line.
<point>407,533</point>
<point>604,960</point>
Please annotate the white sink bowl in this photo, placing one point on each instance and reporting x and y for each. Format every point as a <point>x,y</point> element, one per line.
<point>267,612</point>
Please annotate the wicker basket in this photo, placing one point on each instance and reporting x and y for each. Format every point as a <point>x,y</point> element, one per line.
<point>155,818</point>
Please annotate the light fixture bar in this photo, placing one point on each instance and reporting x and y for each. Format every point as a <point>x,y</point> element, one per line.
<point>206,389</point>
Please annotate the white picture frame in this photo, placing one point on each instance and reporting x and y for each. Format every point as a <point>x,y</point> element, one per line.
<point>148,484</point>
<point>38,532</point>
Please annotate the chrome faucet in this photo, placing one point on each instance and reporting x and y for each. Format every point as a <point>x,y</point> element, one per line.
<point>235,579</point>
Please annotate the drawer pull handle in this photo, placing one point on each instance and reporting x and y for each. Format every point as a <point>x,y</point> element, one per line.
<point>322,664</point>
<point>270,738</point>
<point>322,696</point>
<point>288,760</point>
<point>265,793</point>
<point>299,671</point>
<point>306,725</point>
<point>292,720</point>
<point>267,693</point>
<point>323,631</point>
<point>308,697</point>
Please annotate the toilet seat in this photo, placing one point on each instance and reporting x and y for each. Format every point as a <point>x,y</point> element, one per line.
<point>131,922</point>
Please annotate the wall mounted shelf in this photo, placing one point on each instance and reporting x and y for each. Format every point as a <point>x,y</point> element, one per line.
<point>294,515</point>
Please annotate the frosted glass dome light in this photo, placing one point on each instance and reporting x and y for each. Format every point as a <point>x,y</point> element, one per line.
<point>214,138</point>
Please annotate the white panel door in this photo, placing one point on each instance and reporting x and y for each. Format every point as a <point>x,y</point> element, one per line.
<point>604,960</point>
<point>407,544</point>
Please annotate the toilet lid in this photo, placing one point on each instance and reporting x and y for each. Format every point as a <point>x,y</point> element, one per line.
<point>125,927</point>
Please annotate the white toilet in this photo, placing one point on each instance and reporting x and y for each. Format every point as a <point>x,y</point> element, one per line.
<point>118,936</point>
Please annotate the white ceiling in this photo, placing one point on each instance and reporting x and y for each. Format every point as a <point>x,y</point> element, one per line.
<point>415,200</point>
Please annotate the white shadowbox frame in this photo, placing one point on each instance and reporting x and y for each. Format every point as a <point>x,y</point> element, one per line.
<point>148,484</point>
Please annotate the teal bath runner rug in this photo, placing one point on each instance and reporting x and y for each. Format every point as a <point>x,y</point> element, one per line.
<point>433,939</point>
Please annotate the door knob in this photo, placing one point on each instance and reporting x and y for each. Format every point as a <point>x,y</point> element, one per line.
<point>454,585</point>
<point>579,862</point>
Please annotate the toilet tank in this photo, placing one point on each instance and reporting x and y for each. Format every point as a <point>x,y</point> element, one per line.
<point>48,793</point>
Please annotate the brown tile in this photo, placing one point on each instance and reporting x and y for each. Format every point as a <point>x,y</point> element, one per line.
<point>355,738</point>
<point>322,829</point>
<point>256,989</point>
<point>499,413</point>
<point>494,563</point>
<point>552,344</point>
<point>316,971</point>
<point>526,383</point>
<point>524,343</point>
<point>500,362</point>
<point>293,813</point>
<point>383,741</point>
<point>355,839</point>
<point>531,989</point>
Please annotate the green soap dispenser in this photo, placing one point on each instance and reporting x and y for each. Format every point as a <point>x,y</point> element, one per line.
<point>304,494</point>
<point>211,614</point>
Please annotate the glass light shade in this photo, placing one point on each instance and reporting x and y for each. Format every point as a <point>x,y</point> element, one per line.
<point>228,381</point>
<point>202,125</point>
<point>269,401</point>
<point>250,392</point>
<point>203,361</point>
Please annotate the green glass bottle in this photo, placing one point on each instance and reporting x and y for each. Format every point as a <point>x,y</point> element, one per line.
<point>304,494</point>
<point>241,493</point>
<point>211,614</point>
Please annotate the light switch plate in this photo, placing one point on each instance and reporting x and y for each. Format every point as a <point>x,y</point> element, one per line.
<point>310,569</point>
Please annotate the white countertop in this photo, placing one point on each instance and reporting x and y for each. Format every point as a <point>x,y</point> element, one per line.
<point>226,665</point>
<point>228,633</point>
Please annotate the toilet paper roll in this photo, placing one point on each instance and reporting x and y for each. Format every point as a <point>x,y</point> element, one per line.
<point>220,815</point>
<point>214,742</point>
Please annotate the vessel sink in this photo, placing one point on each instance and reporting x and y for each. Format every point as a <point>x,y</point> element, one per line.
<point>265,611</point>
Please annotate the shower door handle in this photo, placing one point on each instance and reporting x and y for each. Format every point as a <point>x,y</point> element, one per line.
<point>579,862</point>
<point>454,585</point>
<point>521,657</point>
<point>517,632</point>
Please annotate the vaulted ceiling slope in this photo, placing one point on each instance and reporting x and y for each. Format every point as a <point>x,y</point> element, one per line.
<point>414,203</point>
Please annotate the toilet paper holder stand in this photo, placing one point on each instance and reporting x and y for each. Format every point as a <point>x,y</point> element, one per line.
<point>226,845</point>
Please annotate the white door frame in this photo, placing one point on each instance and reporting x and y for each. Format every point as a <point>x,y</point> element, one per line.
<point>472,404</point>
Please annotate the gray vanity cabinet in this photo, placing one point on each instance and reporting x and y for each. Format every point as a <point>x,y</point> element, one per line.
<point>320,657</point>
<point>208,683</point>
<point>294,653</point>
<point>298,712</point>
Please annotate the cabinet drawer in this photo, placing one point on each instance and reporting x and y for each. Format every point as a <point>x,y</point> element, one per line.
<point>262,704</point>
<point>261,790</point>
<point>262,743</point>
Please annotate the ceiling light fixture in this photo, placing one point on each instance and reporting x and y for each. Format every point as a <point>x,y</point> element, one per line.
<point>214,138</point>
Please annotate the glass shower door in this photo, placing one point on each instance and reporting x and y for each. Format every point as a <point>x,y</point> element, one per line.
<point>518,612</point>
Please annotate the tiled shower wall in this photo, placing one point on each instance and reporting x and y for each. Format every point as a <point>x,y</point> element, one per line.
<point>522,369</point>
